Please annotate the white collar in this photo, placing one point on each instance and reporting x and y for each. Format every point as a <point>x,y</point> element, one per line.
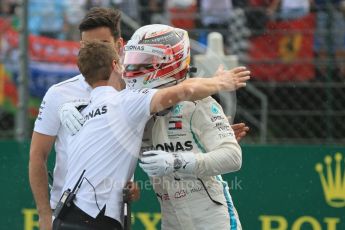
<point>102,92</point>
<point>84,83</point>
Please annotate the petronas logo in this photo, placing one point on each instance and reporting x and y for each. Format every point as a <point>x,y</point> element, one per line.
<point>333,180</point>
<point>214,109</point>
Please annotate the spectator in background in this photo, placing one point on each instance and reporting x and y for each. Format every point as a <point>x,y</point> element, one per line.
<point>260,3</point>
<point>238,32</point>
<point>8,10</point>
<point>157,8</point>
<point>46,18</point>
<point>98,3</point>
<point>130,11</point>
<point>289,9</point>
<point>182,13</point>
<point>227,17</point>
<point>330,36</point>
<point>74,12</point>
<point>7,7</point>
<point>257,17</point>
<point>129,7</point>
<point>215,14</point>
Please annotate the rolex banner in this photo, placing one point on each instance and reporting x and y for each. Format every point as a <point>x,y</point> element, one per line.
<point>278,188</point>
<point>285,51</point>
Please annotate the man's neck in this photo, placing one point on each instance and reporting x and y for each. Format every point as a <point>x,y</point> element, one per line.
<point>117,83</point>
<point>99,83</point>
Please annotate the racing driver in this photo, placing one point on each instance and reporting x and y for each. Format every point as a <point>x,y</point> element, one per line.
<point>193,142</point>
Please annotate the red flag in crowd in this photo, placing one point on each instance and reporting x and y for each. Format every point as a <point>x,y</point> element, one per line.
<point>53,50</point>
<point>285,51</point>
<point>40,48</point>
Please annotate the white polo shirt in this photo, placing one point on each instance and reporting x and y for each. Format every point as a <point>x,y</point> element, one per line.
<point>107,147</point>
<point>48,123</point>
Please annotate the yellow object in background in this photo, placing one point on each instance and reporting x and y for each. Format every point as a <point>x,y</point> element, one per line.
<point>2,84</point>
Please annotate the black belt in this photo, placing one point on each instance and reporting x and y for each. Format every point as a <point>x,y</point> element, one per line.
<point>77,219</point>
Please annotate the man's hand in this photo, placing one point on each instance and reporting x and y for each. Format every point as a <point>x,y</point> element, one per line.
<point>70,117</point>
<point>45,221</point>
<point>134,190</point>
<point>230,80</point>
<point>160,163</point>
<point>240,130</point>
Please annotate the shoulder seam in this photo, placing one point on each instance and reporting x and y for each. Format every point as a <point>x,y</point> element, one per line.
<point>62,83</point>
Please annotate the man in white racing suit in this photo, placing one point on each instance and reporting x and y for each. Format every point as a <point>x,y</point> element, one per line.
<point>194,199</point>
<point>194,142</point>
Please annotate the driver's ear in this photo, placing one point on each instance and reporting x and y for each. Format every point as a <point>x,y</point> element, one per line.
<point>82,43</point>
<point>113,65</point>
<point>119,45</point>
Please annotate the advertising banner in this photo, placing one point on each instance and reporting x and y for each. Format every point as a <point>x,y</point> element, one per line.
<point>51,61</point>
<point>278,188</point>
<point>40,48</point>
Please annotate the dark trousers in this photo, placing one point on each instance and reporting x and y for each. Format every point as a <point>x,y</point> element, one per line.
<point>76,219</point>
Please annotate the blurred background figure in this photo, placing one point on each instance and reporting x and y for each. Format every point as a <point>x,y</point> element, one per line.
<point>289,9</point>
<point>330,37</point>
<point>7,7</point>
<point>182,13</point>
<point>215,14</point>
<point>73,14</point>
<point>46,18</point>
<point>257,16</point>
<point>283,41</point>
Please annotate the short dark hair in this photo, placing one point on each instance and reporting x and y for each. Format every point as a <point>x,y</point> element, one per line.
<point>102,17</point>
<point>95,60</point>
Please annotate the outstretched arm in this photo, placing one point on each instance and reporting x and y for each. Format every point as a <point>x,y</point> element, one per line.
<point>189,90</point>
<point>222,152</point>
<point>197,88</point>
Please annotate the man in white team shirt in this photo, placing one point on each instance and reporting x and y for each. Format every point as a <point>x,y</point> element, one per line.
<point>108,145</point>
<point>101,24</point>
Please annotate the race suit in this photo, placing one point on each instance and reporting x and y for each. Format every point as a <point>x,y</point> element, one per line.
<point>201,200</point>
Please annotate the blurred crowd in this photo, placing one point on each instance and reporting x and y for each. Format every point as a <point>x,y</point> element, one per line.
<point>266,35</point>
<point>237,20</point>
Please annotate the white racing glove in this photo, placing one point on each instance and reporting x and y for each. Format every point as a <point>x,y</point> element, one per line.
<point>70,117</point>
<point>161,163</point>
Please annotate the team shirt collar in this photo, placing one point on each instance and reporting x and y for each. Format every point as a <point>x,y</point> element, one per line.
<point>101,92</point>
<point>84,83</point>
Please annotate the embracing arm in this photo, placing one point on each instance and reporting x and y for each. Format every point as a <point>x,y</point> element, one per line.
<point>197,88</point>
<point>224,159</point>
<point>219,151</point>
<point>39,150</point>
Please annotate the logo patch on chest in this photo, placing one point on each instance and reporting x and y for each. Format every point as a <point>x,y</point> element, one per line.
<point>173,125</point>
